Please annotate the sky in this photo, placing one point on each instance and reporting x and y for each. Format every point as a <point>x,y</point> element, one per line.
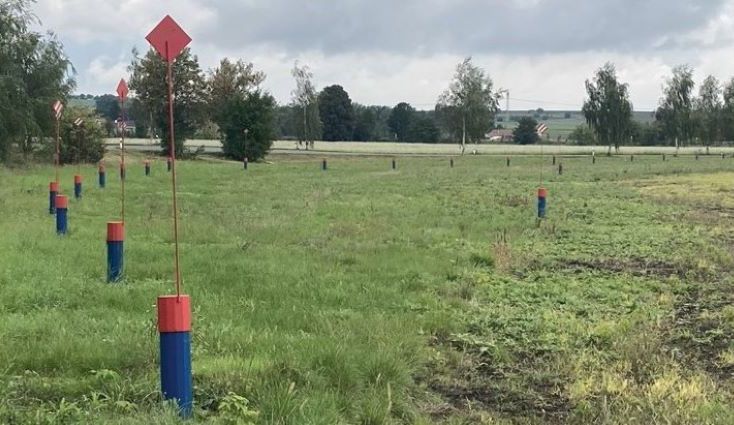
<point>388,51</point>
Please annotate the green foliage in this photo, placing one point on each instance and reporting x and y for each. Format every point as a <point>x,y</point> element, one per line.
<point>583,135</point>
<point>235,410</point>
<point>675,112</point>
<point>149,82</point>
<point>423,129</point>
<point>400,120</point>
<point>83,144</point>
<point>709,110</point>
<point>337,113</point>
<point>525,133</point>
<point>608,110</point>
<point>306,118</point>
<point>237,105</point>
<point>469,105</point>
<point>108,106</point>
<point>34,72</point>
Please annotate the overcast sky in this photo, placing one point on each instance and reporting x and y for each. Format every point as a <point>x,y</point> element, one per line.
<point>387,51</point>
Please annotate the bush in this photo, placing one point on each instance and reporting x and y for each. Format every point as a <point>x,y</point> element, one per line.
<point>84,144</point>
<point>525,133</point>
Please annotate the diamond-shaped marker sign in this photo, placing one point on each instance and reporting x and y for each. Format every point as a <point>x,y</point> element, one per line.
<point>168,39</point>
<point>122,89</point>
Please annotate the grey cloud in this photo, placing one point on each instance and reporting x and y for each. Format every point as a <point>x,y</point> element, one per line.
<point>426,27</point>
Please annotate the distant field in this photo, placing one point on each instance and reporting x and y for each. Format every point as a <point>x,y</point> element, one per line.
<point>386,148</point>
<point>365,295</point>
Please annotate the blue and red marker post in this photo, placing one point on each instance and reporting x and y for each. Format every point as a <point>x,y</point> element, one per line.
<point>542,195</point>
<point>77,186</point>
<point>245,161</point>
<point>115,238</point>
<point>174,327</point>
<point>101,176</point>
<point>61,217</point>
<point>147,167</point>
<point>53,190</point>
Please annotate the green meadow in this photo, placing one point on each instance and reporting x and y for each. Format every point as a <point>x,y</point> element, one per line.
<point>365,295</point>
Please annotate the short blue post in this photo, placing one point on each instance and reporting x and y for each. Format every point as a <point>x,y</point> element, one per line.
<point>77,186</point>
<point>61,218</point>
<point>53,190</point>
<point>245,161</point>
<point>101,176</point>
<point>542,194</point>
<point>115,238</point>
<point>147,168</point>
<point>174,328</point>
<point>122,172</point>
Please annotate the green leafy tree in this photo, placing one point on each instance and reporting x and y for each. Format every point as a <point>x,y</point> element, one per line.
<point>727,122</point>
<point>709,110</point>
<point>305,102</point>
<point>423,129</point>
<point>237,104</point>
<point>400,120</point>
<point>148,81</point>
<point>34,72</point>
<point>337,113</point>
<point>525,133</point>
<point>675,113</point>
<point>608,110</point>
<point>365,122</point>
<point>469,105</point>
<point>108,106</point>
<point>583,135</point>
<point>84,143</point>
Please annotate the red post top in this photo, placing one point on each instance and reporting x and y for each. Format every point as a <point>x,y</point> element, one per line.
<point>61,201</point>
<point>77,179</point>
<point>53,187</point>
<point>542,192</point>
<point>115,231</point>
<point>174,313</point>
<point>101,168</point>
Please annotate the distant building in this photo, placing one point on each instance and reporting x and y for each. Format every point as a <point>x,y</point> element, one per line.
<point>500,136</point>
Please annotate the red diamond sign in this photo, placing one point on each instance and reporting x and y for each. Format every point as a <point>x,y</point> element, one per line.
<point>168,39</point>
<point>122,89</point>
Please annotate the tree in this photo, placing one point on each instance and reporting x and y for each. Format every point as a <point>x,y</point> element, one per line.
<point>148,81</point>
<point>365,121</point>
<point>608,110</point>
<point>305,102</point>
<point>400,120</point>
<point>582,135</point>
<point>423,129</point>
<point>469,104</point>
<point>525,133</point>
<point>675,112</point>
<point>82,144</point>
<point>337,114</point>
<point>34,72</point>
<point>108,106</point>
<point>709,109</point>
<point>727,124</point>
<point>236,103</point>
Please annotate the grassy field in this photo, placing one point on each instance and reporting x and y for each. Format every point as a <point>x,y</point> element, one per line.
<point>362,295</point>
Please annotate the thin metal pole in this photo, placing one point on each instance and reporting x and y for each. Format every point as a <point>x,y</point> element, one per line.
<point>173,175</point>
<point>123,127</point>
<point>58,158</point>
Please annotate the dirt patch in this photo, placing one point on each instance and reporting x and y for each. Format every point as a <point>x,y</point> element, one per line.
<point>700,332</point>
<point>523,389</point>
<point>636,267</point>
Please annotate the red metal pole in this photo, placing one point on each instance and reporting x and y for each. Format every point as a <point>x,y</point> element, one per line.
<point>58,159</point>
<point>122,162</point>
<point>173,174</point>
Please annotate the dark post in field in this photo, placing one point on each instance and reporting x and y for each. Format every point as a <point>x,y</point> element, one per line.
<point>100,172</point>
<point>147,167</point>
<point>323,164</point>
<point>508,160</point>
<point>560,168</point>
<point>244,148</point>
<point>394,164</point>
<point>115,238</point>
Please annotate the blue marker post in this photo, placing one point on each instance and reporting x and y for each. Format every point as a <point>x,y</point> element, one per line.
<point>115,238</point>
<point>147,167</point>
<point>77,186</point>
<point>245,161</point>
<point>101,176</point>
<point>61,218</point>
<point>174,327</point>
<point>53,190</point>
<point>122,171</point>
<point>542,194</point>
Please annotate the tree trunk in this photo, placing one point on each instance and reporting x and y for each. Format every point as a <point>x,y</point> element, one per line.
<point>463,134</point>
